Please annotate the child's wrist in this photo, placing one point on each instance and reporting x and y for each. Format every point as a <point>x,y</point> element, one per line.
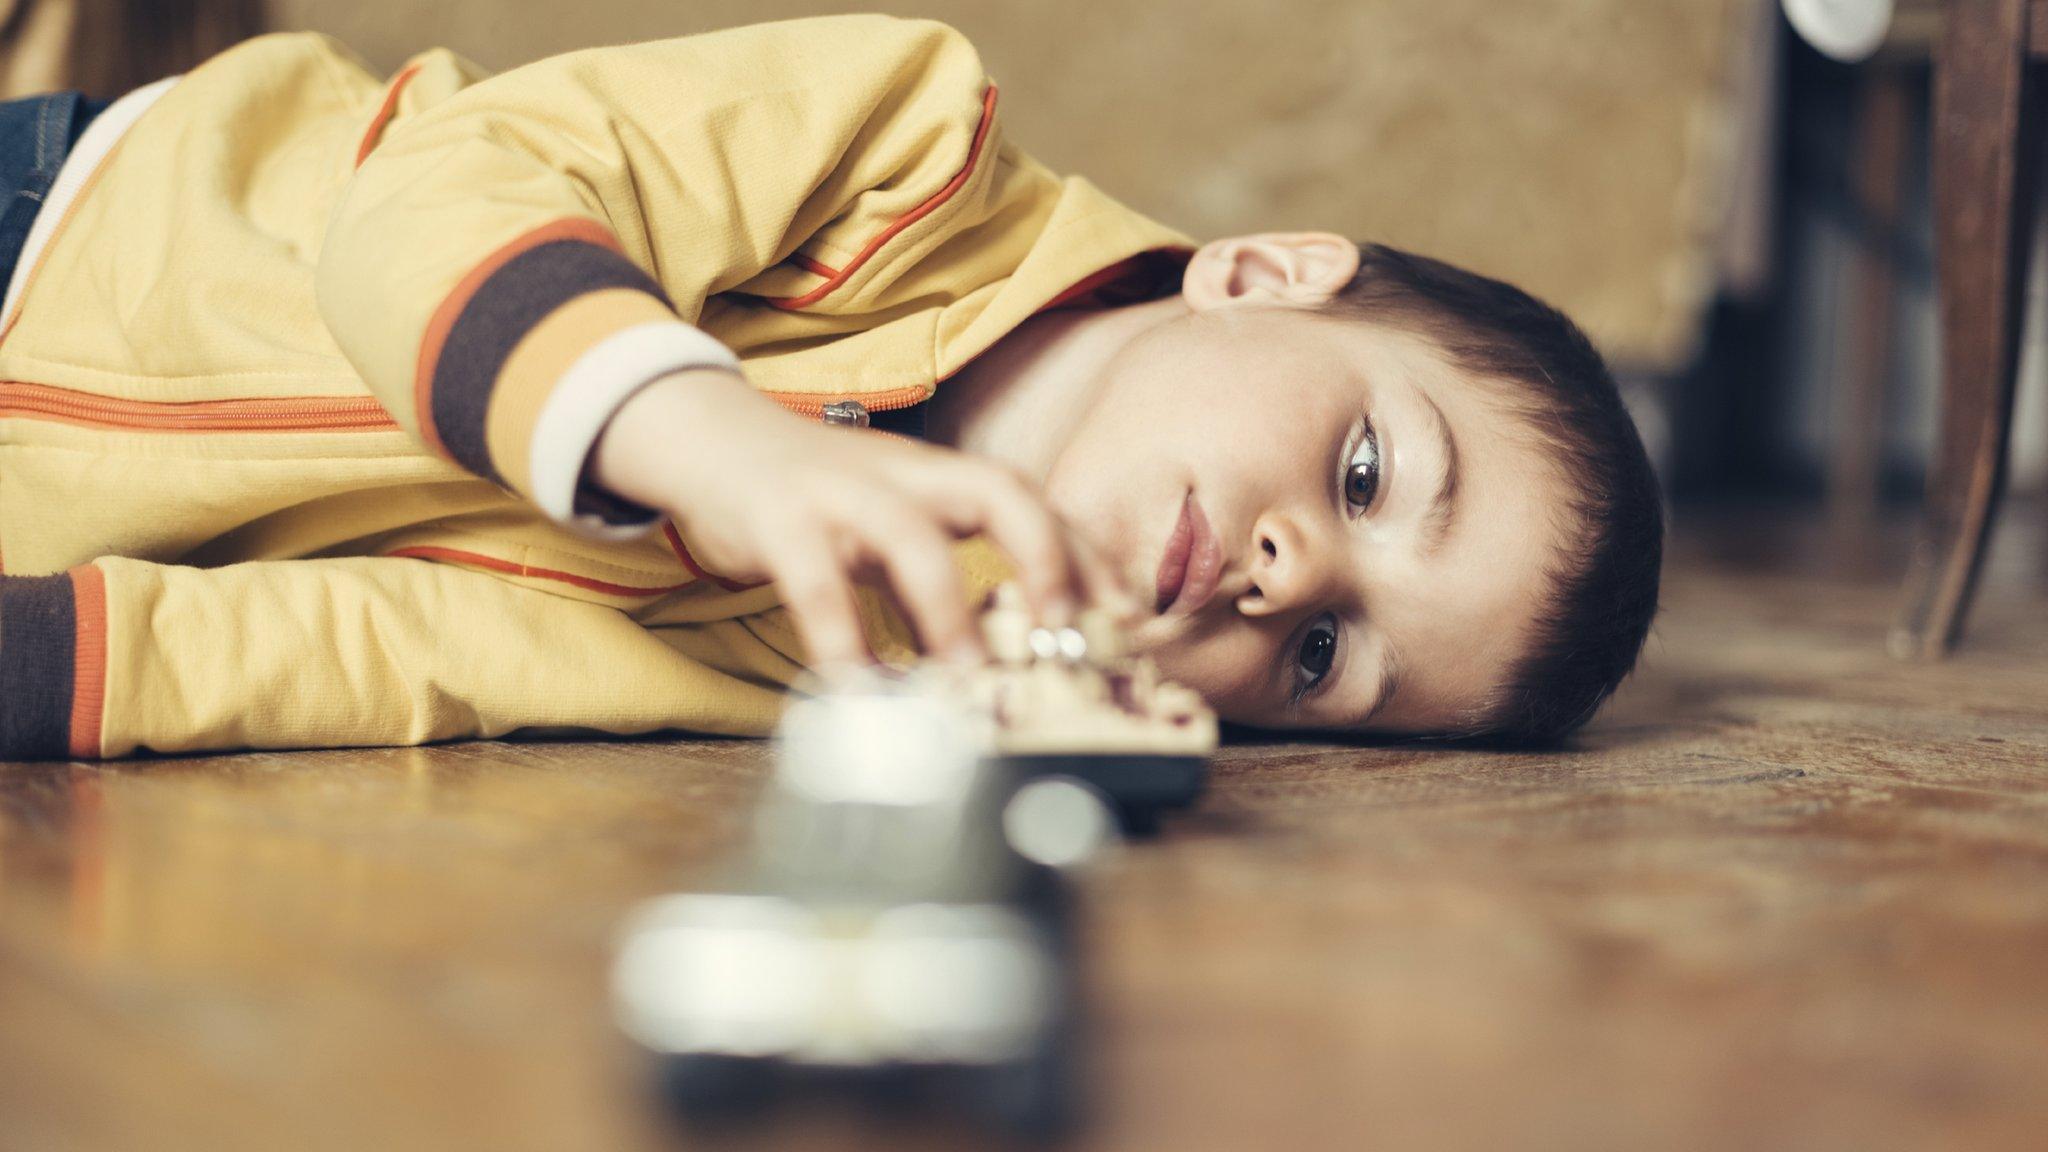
<point>650,443</point>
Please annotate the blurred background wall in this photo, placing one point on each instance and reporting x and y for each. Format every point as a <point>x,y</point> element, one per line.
<point>1679,175</point>
<point>107,47</point>
<point>1565,145</point>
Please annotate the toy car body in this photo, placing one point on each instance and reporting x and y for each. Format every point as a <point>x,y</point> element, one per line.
<point>883,926</point>
<point>1072,702</point>
<point>900,913</point>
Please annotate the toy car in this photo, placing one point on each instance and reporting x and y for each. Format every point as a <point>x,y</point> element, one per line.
<point>1072,702</point>
<point>887,928</point>
<point>900,920</point>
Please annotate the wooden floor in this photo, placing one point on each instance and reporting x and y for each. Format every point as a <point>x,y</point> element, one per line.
<point>1789,894</point>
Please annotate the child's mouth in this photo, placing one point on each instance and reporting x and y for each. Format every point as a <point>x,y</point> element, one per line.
<point>1192,563</point>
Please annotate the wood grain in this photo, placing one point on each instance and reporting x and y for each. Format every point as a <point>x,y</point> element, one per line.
<point>1789,894</point>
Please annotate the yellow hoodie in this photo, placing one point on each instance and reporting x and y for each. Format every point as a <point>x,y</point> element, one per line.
<point>288,402</point>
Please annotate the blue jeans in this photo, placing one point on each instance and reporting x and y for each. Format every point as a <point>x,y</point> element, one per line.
<point>36,134</point>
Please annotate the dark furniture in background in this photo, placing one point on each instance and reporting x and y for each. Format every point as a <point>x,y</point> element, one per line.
<point>1986,142</point>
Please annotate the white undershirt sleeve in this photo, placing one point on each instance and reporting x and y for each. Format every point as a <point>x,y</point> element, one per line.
<point>593,389</point>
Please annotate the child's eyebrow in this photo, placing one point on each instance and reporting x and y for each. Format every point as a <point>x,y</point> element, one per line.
<point>1436,523</point>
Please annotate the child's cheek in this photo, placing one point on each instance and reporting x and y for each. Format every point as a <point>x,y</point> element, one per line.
<point>1229,666</point>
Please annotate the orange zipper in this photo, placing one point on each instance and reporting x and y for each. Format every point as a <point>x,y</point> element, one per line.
<point>810,404</point>
<point>304,414</point>
<point>279,414</point>
<point>356,413</point>
<point>366,413</point>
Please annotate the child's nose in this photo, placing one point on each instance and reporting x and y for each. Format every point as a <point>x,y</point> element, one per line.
<point>1289,569</point>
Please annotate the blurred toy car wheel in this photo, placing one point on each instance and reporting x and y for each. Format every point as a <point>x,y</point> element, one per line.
<point>717,1091</point>
<point>1037,1099</point>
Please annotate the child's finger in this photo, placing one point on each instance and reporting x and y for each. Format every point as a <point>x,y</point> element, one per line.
<point>1100,581</point>
<point>1020,522</point>
<point>818,593</point>
<point>918,558</point>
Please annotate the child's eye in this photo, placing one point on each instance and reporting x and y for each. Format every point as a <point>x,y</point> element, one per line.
<point>1313,660</point>
<point>1362,472</point>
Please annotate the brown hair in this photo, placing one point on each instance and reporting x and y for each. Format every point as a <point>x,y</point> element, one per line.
<point>1602,596</point>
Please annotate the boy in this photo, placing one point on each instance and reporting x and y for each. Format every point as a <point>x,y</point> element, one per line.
<point>338,412</point>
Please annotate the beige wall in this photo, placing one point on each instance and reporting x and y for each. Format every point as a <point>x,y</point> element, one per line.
<point>1575,146</point>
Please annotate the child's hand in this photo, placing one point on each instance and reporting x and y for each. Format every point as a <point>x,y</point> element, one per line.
<point>766,495</point>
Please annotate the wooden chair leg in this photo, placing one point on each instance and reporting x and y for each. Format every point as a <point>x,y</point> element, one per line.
<point>1983,161</point>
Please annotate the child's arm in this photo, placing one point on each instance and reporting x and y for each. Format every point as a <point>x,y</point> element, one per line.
<point>120,654</point>
<point>510,266</point>
<point>769,496</point>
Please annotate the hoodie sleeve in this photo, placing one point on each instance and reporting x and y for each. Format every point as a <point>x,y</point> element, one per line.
<point>509,265</point>
<point>122,655</point>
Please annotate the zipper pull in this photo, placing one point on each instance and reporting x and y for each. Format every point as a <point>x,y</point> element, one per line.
<point>849,412</point>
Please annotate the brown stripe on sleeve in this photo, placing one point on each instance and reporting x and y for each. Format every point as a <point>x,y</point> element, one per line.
<point>538,361</point>
<point>491,310</point>
<point>38,631</point>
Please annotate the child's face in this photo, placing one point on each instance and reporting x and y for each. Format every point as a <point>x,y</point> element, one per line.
<point>1342,570</point>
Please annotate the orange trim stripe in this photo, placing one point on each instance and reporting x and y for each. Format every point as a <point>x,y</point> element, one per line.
<point>263,414</point>
<point>88,661</point>
<point>675,544</point>
<point>569,228</point>
<point>384,113</point>
<point>815,267</point>
<point>988,112</point>
<point>475,559</point>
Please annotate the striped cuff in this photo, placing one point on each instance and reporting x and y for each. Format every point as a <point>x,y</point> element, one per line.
<point>53,660</point>
<point>504,337</point>
<point>583,402</point>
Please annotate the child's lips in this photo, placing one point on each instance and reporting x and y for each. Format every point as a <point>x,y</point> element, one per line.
<point>1192,563</point>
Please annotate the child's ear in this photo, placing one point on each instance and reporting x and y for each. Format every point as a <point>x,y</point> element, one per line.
<point>1297,269</point>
